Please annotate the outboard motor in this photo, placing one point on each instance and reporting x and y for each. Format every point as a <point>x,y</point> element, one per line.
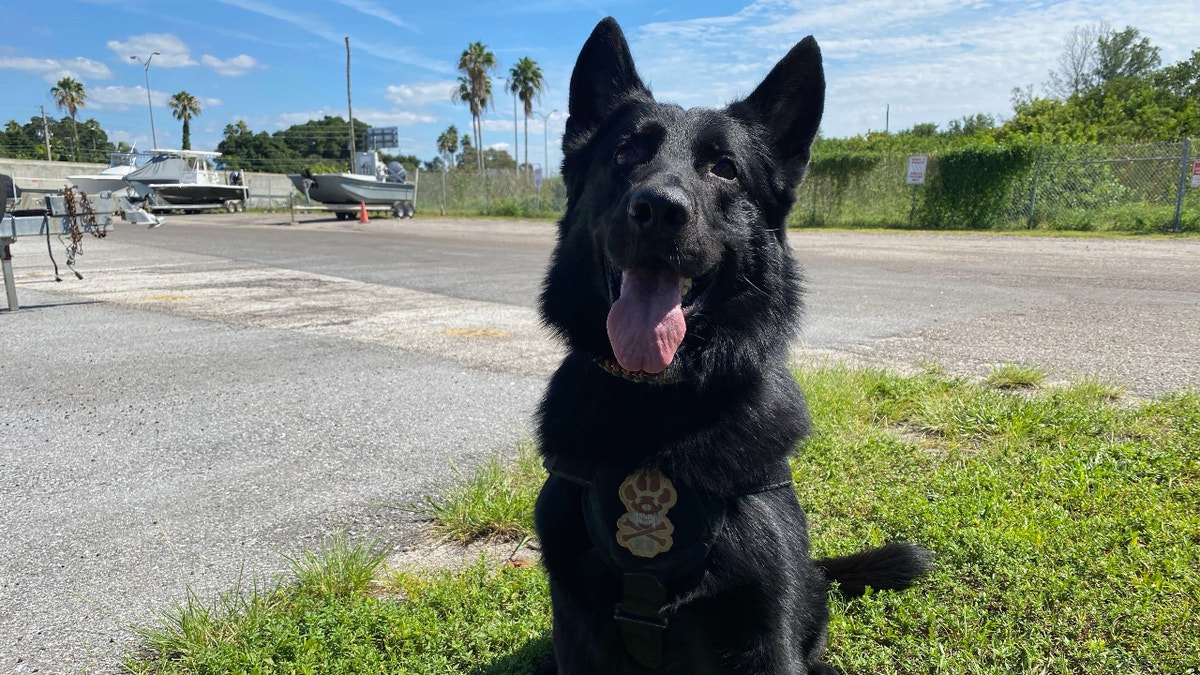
<point>396,172</point>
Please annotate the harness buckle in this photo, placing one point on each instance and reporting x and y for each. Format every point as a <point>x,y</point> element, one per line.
<point>657,622</point>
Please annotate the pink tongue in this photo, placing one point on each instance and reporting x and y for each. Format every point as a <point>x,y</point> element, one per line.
<point>645,324</point>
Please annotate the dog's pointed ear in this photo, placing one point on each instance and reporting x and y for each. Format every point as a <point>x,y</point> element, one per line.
<point>789,104</point>
<point>603,78</point>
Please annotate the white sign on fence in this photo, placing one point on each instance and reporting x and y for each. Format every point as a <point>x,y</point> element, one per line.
<point>1196,175</point>
<point>916,170</point>
<point>537,178</point>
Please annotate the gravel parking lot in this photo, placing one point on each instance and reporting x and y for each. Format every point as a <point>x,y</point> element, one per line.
<point>228,388</point>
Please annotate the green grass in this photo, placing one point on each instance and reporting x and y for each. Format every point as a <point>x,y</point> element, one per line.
<point>1066,523</point>
<point>344,614</point>
<point>496,502</point>
<point>1013,376</point>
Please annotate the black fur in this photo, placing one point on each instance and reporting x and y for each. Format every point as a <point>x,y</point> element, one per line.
<point>702,194</point>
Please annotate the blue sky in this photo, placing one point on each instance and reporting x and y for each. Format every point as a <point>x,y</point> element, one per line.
<point>273,63</point>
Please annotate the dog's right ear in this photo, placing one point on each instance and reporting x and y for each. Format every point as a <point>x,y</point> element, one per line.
<point>603,78</point>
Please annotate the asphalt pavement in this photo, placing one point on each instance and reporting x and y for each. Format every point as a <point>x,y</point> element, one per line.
<point>219,392</point>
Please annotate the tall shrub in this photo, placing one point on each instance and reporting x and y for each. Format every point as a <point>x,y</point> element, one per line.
<point>971,187</point>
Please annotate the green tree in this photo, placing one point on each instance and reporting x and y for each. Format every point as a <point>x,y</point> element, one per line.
<point>184,107</point>
<point>923,129</point>
<point>468,149</point>
<point>1078,62</point>
<point>447,144</point>
<point>475,88</point>
<point>1125,54</point>
<point>321,141</point>
<point>971,125</point>
<point>1181,79</point>
<point>241,148</point>
<point>527,83</point>
<point>14,143</point>
<point>494,158</point>
<point>69,95</point>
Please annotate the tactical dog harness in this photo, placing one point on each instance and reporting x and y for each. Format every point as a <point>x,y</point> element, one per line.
<point>655,535</point>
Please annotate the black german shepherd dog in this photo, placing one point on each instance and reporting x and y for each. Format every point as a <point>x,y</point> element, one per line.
<point>672,537</point>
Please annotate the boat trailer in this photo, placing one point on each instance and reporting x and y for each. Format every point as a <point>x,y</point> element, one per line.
<point>69,216</point>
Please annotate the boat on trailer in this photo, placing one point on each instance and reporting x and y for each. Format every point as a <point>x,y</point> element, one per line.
<point>112,179</point>
<point>186,180</point>
<point>372,184</point>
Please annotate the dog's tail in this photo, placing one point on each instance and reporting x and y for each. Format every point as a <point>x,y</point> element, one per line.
<point>893,566</point>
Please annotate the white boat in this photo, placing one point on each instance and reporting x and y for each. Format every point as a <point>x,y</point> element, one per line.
<point>112,179</point>
<point>372,184</point>
<point>186,179</point>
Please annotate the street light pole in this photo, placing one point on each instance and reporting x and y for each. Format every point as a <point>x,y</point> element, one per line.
<point>508,84</point>
<point>545,144</point>
<point>149,102</point>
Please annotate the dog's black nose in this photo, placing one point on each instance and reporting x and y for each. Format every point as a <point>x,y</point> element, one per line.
<point>659,206</point>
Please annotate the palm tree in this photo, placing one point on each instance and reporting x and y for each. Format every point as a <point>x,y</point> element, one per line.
<point>475,88</point>
<point>466,146</point>
<point>527,83</point>
<point>447,144</point>
<point>69,95</point>
<point>184,107</point>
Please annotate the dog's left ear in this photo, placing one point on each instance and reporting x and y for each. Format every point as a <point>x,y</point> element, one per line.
<point>789,104</point>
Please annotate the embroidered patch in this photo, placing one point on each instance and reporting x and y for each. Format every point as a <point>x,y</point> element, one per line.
<point>645,530</point>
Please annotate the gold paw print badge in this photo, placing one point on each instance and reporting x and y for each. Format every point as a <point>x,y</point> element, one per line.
<point>645,529</point>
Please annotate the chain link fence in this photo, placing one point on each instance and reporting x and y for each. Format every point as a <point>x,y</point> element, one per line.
<point>1130,188</point>
<point>496,192</point>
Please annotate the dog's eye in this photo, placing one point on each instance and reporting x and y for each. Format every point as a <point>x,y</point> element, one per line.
<point>626,154</point>
<point>724,168</point>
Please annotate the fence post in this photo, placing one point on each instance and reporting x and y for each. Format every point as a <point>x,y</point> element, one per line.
<point>1184,174</point>
<point>1037,170</point>
<point>912,208</point>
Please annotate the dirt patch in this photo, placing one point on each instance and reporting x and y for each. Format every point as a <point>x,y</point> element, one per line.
<point>431,554</point>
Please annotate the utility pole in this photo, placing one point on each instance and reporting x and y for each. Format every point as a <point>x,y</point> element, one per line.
<point>349,107</point>
<point>149,102</point>
<point>545,143</point>
<point>516,153</point>
<point>45,132</point>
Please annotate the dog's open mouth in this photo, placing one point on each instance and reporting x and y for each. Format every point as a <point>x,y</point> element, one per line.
<point>648,318</point>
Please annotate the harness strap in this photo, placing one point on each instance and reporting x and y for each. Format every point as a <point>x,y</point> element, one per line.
<point>698,517</point>
<point>640,618</point>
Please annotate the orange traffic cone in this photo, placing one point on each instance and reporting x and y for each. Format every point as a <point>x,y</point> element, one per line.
<point>362,213</point>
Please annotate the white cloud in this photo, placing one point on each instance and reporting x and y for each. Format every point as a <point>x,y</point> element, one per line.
<point>233,67</point>
<point>372,116</point>
<point>372,9</point>
<point>172,52</point>
<point>285,120</point>
<point>314,25</point>
<point>501,124</point>
<point>124,98</point>
<point>932,60</point>
<point>391,118</point>
<point>421,94</point>
<point>52,70</point>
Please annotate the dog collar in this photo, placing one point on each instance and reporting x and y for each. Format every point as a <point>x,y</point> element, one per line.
<point>611,367</point>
